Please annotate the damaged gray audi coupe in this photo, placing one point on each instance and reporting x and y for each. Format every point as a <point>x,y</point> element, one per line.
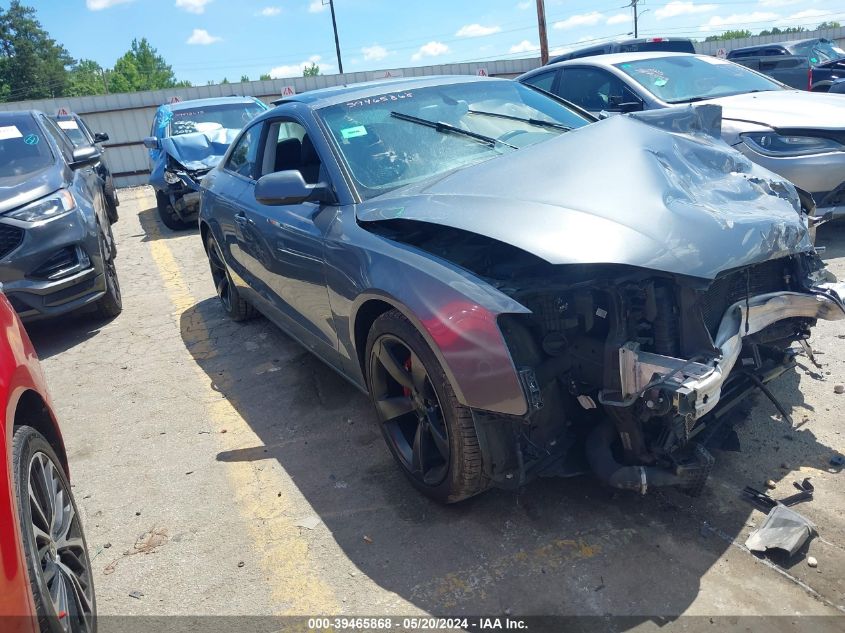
<point>521,294</point>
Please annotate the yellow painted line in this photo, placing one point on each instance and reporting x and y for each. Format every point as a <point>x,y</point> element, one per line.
<point>295,585</point>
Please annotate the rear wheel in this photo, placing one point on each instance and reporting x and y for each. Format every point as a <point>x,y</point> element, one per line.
<point>236,308</point>
<point>54,545</point>
<point>430,434</point>
<point>168,214</point>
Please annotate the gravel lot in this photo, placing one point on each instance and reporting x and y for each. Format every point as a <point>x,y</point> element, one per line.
<point>223,470</point>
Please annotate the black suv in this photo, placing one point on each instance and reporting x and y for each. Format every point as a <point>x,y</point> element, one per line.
<point>56,246</point>
<point>640,45</point>
<point>81,136</point>
<point>814,64</point>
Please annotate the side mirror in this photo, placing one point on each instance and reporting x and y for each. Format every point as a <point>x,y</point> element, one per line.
<point>630,106</point>
<point>84,157</point>
<point>289,187</point>
<point>101,137</point>
<point>151,142</point>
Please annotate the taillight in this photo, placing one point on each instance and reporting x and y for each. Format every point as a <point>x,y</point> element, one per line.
<point>657,39</point>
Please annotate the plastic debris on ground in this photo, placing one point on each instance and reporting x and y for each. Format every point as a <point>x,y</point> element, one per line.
<point>783,529</point>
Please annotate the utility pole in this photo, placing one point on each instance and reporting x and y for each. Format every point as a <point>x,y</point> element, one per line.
<point>336,40</point>
<point>544,38</point>
<point>637,14</point>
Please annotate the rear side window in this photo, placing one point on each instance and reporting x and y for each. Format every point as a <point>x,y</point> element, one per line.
<point>243,157</point>
<point>23,148</point>
<point>543,81</point>
<point>591,88</point>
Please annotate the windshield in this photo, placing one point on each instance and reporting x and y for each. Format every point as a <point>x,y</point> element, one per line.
<point>819,51</point>
<point>230,116</point>
<point>687,78</point>
<point>71,128</point>
<point>23,148</point>
<point>396,138</point>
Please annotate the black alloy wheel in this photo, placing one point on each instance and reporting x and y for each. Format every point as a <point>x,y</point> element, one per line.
<point>235,307</point>
<point>56,553</point>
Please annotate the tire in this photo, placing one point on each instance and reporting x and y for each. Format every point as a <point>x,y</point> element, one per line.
<point>235,307</point>
<point>111,207</point>
<point>110,304</point>
<point>58,557</point>
<point>429,433</point>
<point>168,215</point>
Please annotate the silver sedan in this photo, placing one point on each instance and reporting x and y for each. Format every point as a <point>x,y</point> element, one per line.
<point>797,134</point>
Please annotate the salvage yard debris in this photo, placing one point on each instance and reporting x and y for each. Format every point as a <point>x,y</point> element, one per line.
<point>146,543</point>
<point>783,529</point>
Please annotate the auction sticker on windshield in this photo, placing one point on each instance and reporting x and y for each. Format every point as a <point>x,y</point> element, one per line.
<point>396,96</point>
<point>68,125</point>
<point>353,132</point>
<point>9,131</point>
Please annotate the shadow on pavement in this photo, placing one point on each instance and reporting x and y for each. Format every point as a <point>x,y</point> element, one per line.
<point>54,336</point>
<point>562,546</point>
<point>832,237</point>
<point>149,218</point>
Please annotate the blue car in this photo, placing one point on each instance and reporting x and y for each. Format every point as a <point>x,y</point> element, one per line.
<point>188,139</point>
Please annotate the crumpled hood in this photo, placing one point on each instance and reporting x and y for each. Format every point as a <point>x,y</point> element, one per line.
<point>620,191</point>
<point>785,109</point>
<point>17,191</point>
<point>199,150</point>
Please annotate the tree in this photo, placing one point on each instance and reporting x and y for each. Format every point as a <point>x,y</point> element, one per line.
<point>729,35</point>
<point>142,68</point>
<point>311,71</point>
<point>265,77</point>
<point>244,78</point>
<point>225,81</point>
<point>87,77</point>
<point>829,25</point>
<point>784,31</point>
<point>32,64</point>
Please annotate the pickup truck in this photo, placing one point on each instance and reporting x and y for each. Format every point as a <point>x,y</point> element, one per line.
<point>812,65</point>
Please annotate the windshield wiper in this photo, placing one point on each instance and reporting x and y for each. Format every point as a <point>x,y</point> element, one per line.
<point>535,122</point>
<point>692,99</point>
<point>445,128</point>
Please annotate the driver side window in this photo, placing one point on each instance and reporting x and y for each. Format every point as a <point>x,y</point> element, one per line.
<point>591,88</point>
<point>288,147</point>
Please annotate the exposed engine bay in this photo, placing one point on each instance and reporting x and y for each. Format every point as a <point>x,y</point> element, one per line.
<point>628,371</point>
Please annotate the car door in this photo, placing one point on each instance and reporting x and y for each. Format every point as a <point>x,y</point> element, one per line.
<point>594,89</point>
<point>288,240</point>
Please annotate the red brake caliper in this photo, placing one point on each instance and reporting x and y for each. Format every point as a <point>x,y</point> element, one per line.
<point>407,390</point>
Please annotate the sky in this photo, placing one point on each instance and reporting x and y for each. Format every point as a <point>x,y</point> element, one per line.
<point>211,39</point>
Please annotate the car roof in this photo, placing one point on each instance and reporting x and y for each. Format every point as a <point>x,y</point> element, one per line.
<point>785,44</point>
<point>610,59</point>
<point>341,94</point>
<point>211,101</point>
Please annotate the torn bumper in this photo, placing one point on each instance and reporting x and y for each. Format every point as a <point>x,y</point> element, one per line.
<point>697,386</point>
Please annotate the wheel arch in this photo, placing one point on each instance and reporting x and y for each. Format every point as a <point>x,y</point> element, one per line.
<point>32,410</point>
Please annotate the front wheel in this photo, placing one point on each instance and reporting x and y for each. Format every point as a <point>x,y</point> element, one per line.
<point>53,542</point>
<point>168,214</point>
<point>110,304</point>
<point>236,308</point>
<point>430,434</point>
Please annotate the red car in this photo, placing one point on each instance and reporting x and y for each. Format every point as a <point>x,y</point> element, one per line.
<point>45,574</point>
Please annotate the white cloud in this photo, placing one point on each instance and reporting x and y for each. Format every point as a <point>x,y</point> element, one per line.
<point>620,18</point>
<point>679,7</point>
<point>778,3</point>
<point>525,46</point>
<point>99,5</point>
<point>192,6</point>
<point>476,30</point>
<point>583,19</point>
<point>201,37</point>
<point>738,20</point>
<point>316,6</point>
<point>295,70</point>
<point>374,53</point>
<point>432,49</point>
<point>522,6</point>
<point>808,14</point>
<point>269,12</point>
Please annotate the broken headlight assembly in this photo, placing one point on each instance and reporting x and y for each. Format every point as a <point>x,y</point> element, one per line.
<point>171,177</point>
<point>48,208</point>
<point>776,145</point>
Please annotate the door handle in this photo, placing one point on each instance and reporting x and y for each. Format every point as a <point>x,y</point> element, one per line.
<point>242,220</point>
